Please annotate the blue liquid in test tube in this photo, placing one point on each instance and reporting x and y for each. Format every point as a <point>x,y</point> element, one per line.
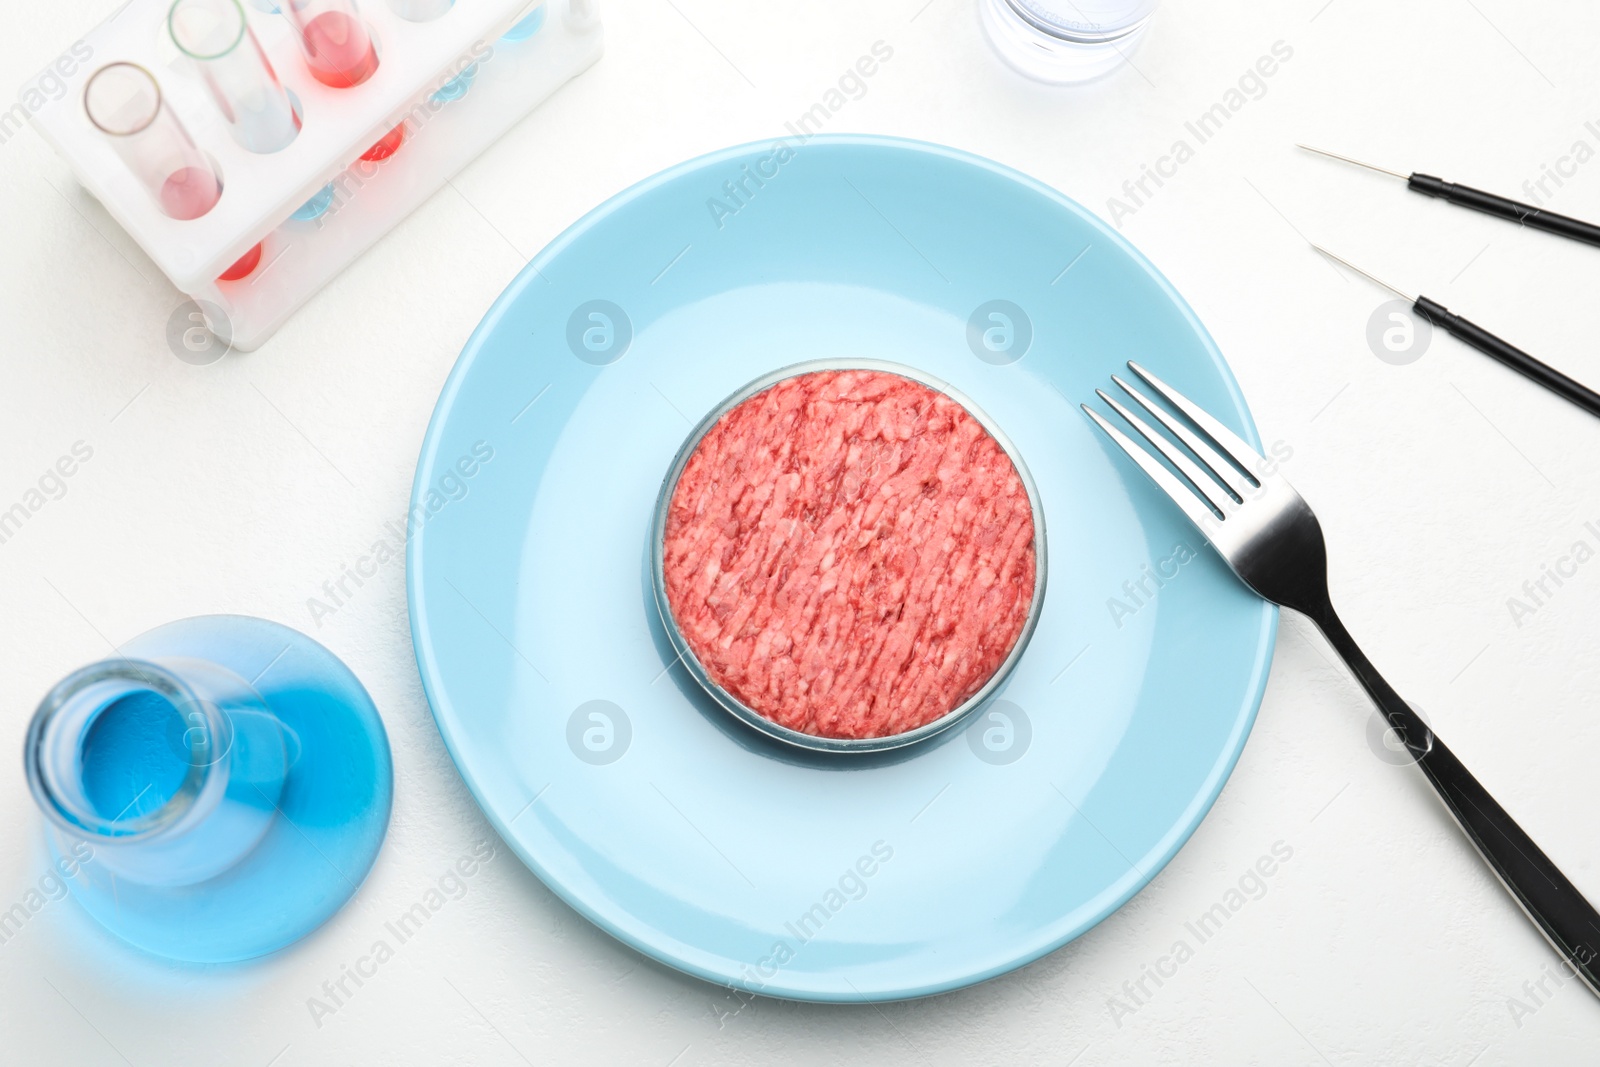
<point>456,87</point>
<point>527,27</point>
<point>316,207</point>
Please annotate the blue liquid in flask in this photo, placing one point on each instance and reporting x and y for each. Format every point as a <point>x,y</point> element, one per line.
<point>230,778</point>
<point>129,766</point>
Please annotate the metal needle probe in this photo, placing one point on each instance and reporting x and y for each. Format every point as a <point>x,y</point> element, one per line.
<point>1478,200</point>
<point>1488,343</point>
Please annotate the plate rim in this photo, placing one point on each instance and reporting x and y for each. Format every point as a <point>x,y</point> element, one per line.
<point>664,948</point>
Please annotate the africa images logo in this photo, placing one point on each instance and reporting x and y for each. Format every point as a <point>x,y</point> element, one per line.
<point>999,332</point>
<point>739,190</point>
<point>452,486</point>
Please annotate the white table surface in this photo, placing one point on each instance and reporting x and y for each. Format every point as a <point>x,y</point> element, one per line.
<point>1443,486</point>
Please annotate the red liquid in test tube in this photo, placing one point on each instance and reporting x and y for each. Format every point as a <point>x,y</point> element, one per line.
<point>338,49</point>
<point>386,146</point>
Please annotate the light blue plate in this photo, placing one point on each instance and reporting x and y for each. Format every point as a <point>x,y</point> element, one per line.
<point>641,802</point>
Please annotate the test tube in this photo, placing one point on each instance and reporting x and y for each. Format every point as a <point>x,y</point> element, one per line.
<point>420,10</point>
<point>338,49</point>
<point>456,87</point>
<point>387,145</point>
<point>216,37</point>
<point>527,25</point>
<point>317,206</point>
<point>124,102</point>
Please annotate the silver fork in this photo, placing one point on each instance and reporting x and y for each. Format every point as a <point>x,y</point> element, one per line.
<point>1269,536</point>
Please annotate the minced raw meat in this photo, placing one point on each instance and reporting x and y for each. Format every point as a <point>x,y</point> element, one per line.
<point>850,553</point>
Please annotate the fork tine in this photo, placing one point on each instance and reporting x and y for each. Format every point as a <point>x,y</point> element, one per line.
<point>1199,482</point>
<point>1181,495</point>
<point>1219,466</point>
<point>1230,442</point>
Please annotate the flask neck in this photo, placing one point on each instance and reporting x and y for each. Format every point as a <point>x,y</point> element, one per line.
<point>125,751</point>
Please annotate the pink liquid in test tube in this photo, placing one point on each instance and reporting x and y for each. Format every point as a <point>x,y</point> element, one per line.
<point>125,103</point>
<point>189,192</point>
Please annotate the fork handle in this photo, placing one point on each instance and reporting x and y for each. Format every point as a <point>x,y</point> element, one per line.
<point>1565,918</point>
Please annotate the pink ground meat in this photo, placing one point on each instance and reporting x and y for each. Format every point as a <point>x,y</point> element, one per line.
<point>850,553</point>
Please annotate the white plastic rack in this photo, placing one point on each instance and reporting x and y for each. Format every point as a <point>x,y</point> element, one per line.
<point>262,191</point>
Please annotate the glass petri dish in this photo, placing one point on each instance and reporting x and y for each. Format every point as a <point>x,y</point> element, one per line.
<point>756,719</point>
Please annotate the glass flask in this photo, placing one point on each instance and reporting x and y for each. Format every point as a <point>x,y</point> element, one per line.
<point>1065,41</point>
<point>228,779</point>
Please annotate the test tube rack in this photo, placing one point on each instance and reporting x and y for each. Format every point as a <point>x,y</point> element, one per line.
<point>262,191</point>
